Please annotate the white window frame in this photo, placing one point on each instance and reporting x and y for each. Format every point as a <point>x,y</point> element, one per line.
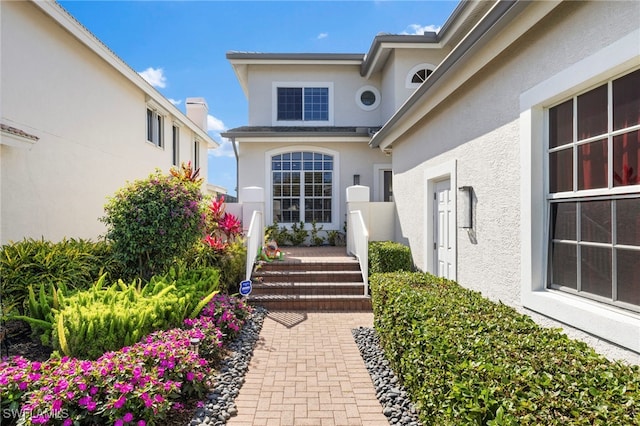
<point>377,185</point>
<point>375,92</point>
<point>157,126</point>
<point>336,206</point>
<point>175,144</point>
<point>284,84</point>
<point>196,154</point>
<point>610,323</point>
<point>425,66</point>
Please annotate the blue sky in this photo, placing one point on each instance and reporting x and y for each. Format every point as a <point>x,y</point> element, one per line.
<point>180,46</point>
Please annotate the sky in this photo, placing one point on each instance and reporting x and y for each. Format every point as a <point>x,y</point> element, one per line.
<point>180,47</point>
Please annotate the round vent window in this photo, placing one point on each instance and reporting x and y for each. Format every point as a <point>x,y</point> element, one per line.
<point>368,98</point>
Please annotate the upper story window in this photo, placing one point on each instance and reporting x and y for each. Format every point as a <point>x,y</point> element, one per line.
<point>418,74</point>
<point>175,146</point>
<point>155,128</point>
<point>368,98</point>
<point>594,193</point>
<point>309,103</point>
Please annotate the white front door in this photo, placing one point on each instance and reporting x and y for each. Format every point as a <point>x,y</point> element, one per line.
<point>444,230</point>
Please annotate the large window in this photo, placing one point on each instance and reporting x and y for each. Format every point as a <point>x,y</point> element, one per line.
<point>302,187</point>
<point>155,123</point>
<point>594,193</point>
<point>303,103</point>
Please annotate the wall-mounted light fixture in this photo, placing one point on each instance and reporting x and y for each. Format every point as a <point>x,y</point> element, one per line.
<point>467,207</point>
<point>356,179</point>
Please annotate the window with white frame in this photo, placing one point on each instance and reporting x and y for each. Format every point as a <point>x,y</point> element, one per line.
<point>302,187</point>
<point>302,103</point>
<point>418,74</point>
<point>594,193</point>
<point>155,123</point>
<point>196,155</point>
<point>175,145</point>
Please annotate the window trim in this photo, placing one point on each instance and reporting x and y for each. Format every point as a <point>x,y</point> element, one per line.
<point>375,92</point>
<point>175,144</point>
<point>306,84</point>
<point>613,324</point>
<point>335,189</point>
<point>408,79</point>
<point>154,139</point>
<point>196,154</point>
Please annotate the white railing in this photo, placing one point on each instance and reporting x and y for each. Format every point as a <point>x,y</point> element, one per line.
<point>255,240</point>
<point>358,244</point>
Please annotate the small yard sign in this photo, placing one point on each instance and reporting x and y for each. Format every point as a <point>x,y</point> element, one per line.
<point>245,287</point>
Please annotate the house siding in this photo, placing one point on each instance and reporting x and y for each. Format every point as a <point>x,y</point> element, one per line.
<point>91,122</point>
<point>478,127</point>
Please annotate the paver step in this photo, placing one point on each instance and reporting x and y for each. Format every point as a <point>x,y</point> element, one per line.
<point>308,276</point>
<point>311,303</point>
<point>315,288</point>
<point>309,266</point>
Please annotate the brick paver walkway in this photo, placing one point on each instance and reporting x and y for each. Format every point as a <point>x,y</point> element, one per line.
<point>306,370</point>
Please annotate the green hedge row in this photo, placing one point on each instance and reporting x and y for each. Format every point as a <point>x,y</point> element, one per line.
<point>389,256</point>
<point>469,361</point>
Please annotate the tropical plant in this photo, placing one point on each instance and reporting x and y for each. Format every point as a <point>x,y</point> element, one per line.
<point>152,222</point>
<point>316,239</point>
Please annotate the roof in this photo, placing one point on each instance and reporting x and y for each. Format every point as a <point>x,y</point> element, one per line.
<point>63,18</point>
<point>17,132</point>
<point>299,131</point>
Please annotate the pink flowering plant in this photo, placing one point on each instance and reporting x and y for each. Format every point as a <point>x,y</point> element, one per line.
<point>136,385</point>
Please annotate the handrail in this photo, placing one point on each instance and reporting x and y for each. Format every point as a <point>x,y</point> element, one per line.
<point>358,244</point>
<point>255,240</point>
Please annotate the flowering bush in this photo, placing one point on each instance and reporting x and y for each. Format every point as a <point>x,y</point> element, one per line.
<point>153,221</point>
<point>228,313</point>
<point>136,385</point>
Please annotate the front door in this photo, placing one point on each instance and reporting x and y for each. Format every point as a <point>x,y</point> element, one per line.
<point>444,230</point>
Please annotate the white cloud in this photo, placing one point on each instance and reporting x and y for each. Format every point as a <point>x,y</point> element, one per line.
<point>155,77</point>
<point>173,101</point>
<point>322,35</point>
<point>415,29</point>
<point>216,126</point>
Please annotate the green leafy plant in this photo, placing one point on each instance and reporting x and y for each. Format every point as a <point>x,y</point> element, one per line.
<point>467,360</point>
<point>152,222</point>
<point>389,256</point>
<point>316,239</point>
<point>109,317</point>
<point>279,234</point>
<point>335,238</point>
<point>298,234</point>
<point>75,263</point>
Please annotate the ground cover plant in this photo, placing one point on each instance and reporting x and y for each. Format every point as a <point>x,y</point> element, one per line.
<point>466,360</point>
<point>138,384</point>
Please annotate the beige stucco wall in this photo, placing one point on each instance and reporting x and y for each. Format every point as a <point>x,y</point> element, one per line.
<point>353,158</point>
<point>346,81</point>
<point>478,127</point>
<point>91,122</point>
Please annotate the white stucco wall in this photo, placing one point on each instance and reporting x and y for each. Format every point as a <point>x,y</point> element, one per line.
<point>346,81</point>
<point>353,158</point>
<point>91,122</point>
<point>478,127</point>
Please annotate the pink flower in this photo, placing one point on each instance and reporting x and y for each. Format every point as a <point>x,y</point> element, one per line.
<point>190,376</point>
<point>67,422</point>
<point>128,417</point>
<point>120,402</point>
<point>118,422</point>
<point>142,423</point>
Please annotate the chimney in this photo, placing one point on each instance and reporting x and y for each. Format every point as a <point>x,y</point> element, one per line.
<point>197,111</point>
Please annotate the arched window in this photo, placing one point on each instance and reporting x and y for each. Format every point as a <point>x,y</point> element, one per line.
<point>302,187</point>
<point>418,74</point>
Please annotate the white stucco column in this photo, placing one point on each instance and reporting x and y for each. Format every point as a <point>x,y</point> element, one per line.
<point>358,197</point>
<point>252,198</point>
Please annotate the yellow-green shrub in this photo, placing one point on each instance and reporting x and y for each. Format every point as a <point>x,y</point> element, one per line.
<point>109,317</point>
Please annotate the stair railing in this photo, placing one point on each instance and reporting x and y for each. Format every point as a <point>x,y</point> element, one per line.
<point>358,244</point>
<point>255,240</point>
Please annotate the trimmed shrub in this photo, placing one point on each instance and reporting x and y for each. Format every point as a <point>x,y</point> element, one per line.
<point>76,263</point>
<point>467,360</point>
<point>152,222</point>
<point>107,318</point>
<point>389,256</point>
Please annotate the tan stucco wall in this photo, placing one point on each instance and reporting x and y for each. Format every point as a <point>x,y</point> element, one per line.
<point>91,122</point>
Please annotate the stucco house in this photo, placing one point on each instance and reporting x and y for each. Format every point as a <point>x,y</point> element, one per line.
<point>77,124</point>
<point>512,138</point>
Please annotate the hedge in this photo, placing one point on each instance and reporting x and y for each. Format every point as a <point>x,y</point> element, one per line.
<point>389,256</point>
<point>467,360</point>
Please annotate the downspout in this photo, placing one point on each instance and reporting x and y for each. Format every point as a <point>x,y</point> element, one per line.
<point>235,151</point>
